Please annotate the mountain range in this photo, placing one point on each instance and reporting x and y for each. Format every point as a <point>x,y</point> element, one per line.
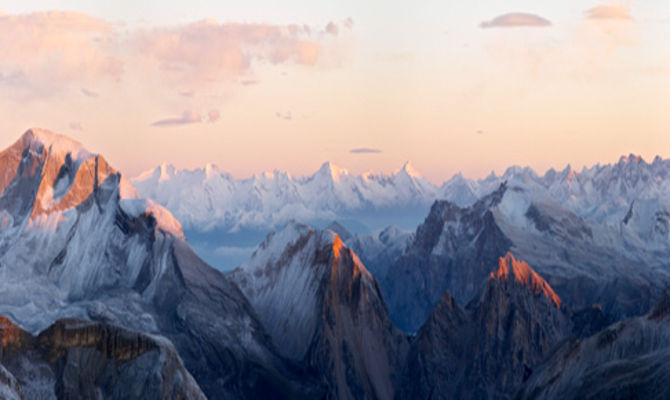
<point>207,198</point>
<point>225,218</point>
<point>519,286</point>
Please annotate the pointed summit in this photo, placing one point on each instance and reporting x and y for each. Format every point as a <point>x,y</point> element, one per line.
<point>321,306</point>
<point>568,174</point>
<point>332,170</point>
<point>409,170</point>
<point>512,270</point>
<point>630,159</point>
<point>165,171</point>
<point>35,138</point>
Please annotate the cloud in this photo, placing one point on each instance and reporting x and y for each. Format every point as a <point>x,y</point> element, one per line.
<point>286,116</point>
<point>76,126</point>
<point>348,23</point>
<point>332,28</point>
<point>609,12</point>
<point>364,150</point>
<point>516,19</point>
<point>213,116</point>
<point>88,93</point>
<point>187,117</point>
<point>207,51</point>
<point>248,82</point>
<point>44,51</point>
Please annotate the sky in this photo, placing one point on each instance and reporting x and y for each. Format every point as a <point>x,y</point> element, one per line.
<point>260,85</point>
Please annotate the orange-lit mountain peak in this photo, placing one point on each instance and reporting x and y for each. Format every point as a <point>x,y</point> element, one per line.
<point>337,246</point>
<point>511,268</point>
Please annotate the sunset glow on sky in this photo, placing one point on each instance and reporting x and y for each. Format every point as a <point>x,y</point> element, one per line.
<point>261,85</point>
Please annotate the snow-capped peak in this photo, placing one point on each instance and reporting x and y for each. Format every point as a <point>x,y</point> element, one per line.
<point>35,138</point>
<point>165,172</point>
<point>409,170</point>
<point>332,170</point>
<point>211,170</point>
<point>630,159</point>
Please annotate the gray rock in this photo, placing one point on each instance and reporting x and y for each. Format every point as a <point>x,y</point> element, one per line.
<point>76,359</point>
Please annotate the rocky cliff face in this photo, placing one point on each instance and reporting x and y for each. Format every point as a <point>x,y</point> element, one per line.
<point>77,242</point>
<point>585,261</point>
<point>9,387</point>
<point>626,360</point>
<point>453,250</point>
<point>324,309</point>
<point>75,359</point>
<point>486,350</point>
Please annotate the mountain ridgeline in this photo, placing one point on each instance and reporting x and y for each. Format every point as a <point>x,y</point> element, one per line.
<point>519,286</point>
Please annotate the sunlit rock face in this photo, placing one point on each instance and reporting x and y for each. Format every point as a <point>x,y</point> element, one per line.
<point>76,359</point>
<point>77,242</point>
<point>486,350</point>
<point>626,360</point>
<point>324,309</point>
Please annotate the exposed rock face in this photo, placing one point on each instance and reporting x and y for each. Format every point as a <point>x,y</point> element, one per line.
<point>453,250</point>
<point>324,309</point>
<point>585,261</point>
<point>626,360</point>
<point>75,241</point>
<point>487,350</point>
<point>9,387</point>
<point>75,359</point>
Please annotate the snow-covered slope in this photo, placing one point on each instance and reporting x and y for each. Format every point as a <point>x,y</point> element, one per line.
<point>75,241</point>
<point>206,198</point>
<point>379,251</point>
<point>324,309</point>
<point>603,193</point>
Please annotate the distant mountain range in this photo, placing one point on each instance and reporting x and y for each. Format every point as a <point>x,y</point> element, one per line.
<point>206,198</point>
<point>224,218</point>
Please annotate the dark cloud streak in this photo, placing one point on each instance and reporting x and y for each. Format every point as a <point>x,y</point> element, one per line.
<point>365,150</point>
<point>516,19</point>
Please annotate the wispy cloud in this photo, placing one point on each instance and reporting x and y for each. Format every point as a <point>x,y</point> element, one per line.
<point>44,51</point>
<point>76,126</point>
<point>332,29</point>
<point>187,117</point>
<point>207,51</point>
<point>609,12</point>
<point>516,19</point>
<point>285,116</point>
<point>88,93</point>
<point>213,116</point>
<point>365,150</point>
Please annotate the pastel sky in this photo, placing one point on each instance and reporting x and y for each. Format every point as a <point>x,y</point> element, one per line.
<point>261,85</point>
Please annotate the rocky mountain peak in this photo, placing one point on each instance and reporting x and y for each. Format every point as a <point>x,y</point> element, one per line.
<point>512,270</point>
